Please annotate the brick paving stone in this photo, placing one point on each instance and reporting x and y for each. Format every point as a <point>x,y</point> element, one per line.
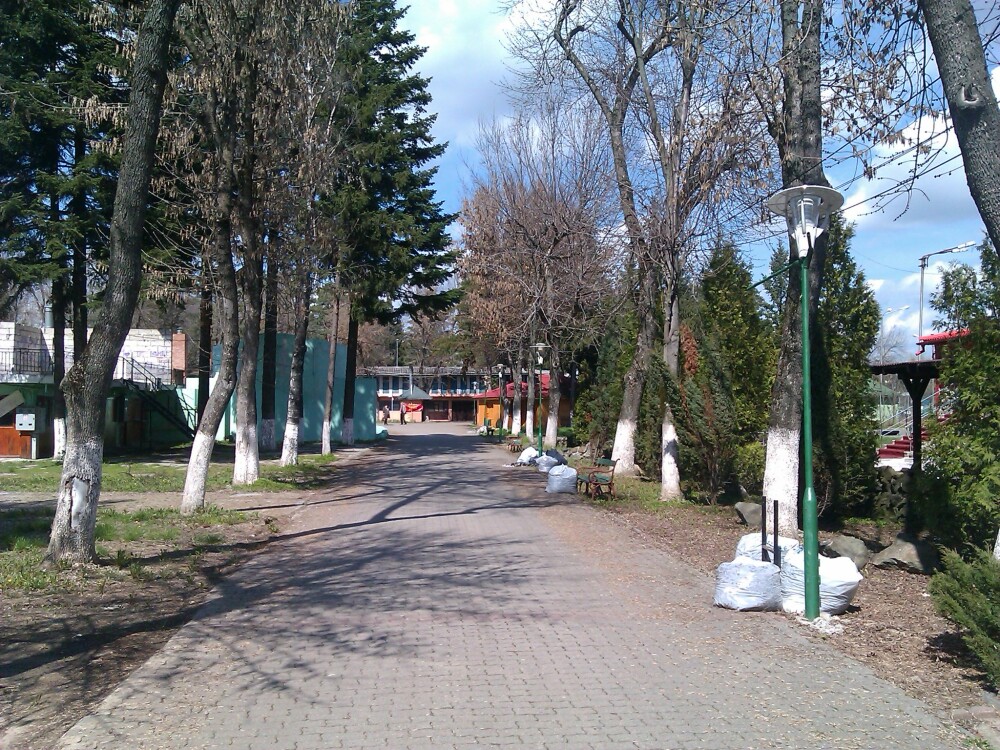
<point>444,601</point>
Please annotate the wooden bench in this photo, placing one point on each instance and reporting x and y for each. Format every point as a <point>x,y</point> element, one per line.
<point>598,480</point>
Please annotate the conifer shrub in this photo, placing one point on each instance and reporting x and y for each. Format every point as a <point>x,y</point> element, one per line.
<point>968,594</point>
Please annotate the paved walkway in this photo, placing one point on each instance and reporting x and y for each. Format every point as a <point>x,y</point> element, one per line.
<point>443,601</point>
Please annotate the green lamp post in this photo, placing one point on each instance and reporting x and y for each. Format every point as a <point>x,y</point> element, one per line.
<point>540,349</point>
<point>807,209</point>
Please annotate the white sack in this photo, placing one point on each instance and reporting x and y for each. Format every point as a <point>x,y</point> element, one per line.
<point>561,479</point>
<point>746,584</point>
<point>838,583</point>
<point>545,463</point>
<point>527,455</point>
<point>749,545</point>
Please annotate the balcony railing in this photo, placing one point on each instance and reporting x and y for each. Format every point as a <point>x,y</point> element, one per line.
<point>26,362</point>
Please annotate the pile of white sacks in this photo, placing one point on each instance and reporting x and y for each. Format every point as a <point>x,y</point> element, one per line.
<point>561,479</point>
<point>748,583</point>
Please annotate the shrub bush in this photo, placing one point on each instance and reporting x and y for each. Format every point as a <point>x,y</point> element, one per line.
<point>968,594</point>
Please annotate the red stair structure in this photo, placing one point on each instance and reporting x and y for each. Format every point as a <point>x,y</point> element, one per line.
<point>900,447</point>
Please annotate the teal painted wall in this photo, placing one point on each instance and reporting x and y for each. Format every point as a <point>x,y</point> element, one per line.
<point>313,385</point>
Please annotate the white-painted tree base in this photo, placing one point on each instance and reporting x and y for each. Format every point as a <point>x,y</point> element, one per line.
<point>72,537</point>
<point>670,473</point>
<point>781,478</point>
<point>193,499</point>
<point>624,447</point>
<point>58,439</point>
<point>347,434</point>
<point>326,449</point>
<point>246,467</point>
<point>290,444</point>
<point>551,431</point>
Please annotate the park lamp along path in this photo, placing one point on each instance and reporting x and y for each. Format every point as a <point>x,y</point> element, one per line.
<point>807,209</point>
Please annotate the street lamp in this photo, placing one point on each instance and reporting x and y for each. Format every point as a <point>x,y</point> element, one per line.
<point>500,396</point>
<point>540,350</point>
<point>807,209</point>
<point>923,267</point>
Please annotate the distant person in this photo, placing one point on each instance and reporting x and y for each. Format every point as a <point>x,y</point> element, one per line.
<point>385,414</point>
<point>402,413</point>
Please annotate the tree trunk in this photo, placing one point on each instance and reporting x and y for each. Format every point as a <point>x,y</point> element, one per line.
<point>961,62</point>
<point>205,335</point>
<point>58,366</point>
<point>350,378</point>
<point>635,378</point>
<point>217,402</point>
<point>246,467</point>
<point>79,274</point>
<point>269,364</point>
<point>670,472</point>
<point>331,371</point>
<point>516,418</point>
<point>552,422</point>
<point>290,440</point>
<point>799,141</point>
<point>87,384</point>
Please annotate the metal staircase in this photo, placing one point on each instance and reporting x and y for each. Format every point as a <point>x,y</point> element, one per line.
<point>140,380</point>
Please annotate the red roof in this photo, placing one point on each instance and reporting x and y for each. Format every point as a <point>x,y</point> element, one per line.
<point>937,338</point>
<point>495,392</point>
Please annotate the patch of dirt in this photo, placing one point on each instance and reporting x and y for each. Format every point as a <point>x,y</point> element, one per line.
<point>892,628</point>
<point>62,652</point>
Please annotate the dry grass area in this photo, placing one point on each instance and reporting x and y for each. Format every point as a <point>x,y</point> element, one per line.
<point>69,636</point>
<point>893,628</point>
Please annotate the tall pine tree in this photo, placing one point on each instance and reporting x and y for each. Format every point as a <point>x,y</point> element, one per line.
<point>394,250</point>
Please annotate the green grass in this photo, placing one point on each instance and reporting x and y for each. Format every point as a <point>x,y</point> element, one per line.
<point>138,476</point>
<point>159,524</point>
<point>22,571</point>
<point>207,539</point>
<point>26,531</point>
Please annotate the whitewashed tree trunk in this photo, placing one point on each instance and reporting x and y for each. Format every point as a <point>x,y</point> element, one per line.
<point>670,471</point>
<point>227,302</point>
<point>635,378</point>
<point>200,459</point>
<point>290,444</point>
<point>290,440</point>
<point>996,548</point>
<point>670,474</point>
<point>552,420</point>
<point>347,434</point>
<point>58,438</point>
<point>331,372</point>
<point>87,384</point>
<point>246,467</point>
<point>781,477</point>
<point>76,506</point>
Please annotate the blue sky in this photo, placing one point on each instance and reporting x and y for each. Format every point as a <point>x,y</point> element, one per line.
<point>466,61</point>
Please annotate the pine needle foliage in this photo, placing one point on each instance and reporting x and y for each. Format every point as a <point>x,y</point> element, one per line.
<point>968,594</point>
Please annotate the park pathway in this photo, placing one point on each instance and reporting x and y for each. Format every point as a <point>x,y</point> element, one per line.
<point>441,600</point>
